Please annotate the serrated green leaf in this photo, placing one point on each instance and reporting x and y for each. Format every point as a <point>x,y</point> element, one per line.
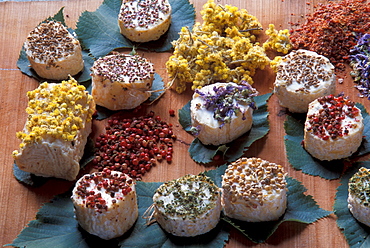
<point>37,181</point>
<point>300,208</point>
<point>157,88</point>
<point>365,146</point>
<point>216,174</point>
<point>99,31</point>
<point>356,233</point>
<point>184,117</point>
<point>55,226</point>
<point>300,159</point>
<point>201,153</point>
<point>83,77</point>
<point>28,178</point>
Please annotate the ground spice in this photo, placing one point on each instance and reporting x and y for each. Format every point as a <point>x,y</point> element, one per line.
<point>134,145</point>
<point>333,30</point>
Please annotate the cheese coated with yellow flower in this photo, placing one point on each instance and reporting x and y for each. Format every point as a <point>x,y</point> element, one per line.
<point>56,130</point>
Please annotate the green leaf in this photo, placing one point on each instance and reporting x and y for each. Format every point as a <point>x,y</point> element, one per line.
<point>184,117</point>
<point>216,174</point>
<point>28,178</point>
<point>300,208</point>
<point>157,88</point>
<point>37,181</point>
<point>365,146</point>
<point>55,225</point>
<point>99,31</point>
<point>300,159</point>
<point>83,77</point>
<point>356,233</point>
<point>232,151</point>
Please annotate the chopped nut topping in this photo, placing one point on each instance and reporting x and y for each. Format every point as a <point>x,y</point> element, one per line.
<point>123,68</point>
<point>304,69</point>
<point>143,13</point>
<point>49,42</point>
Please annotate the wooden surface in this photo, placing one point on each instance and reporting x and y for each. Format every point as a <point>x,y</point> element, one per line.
<point>19,204</point>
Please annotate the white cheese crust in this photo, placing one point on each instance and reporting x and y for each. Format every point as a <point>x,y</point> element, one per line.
<point>301,77</point>
<point>116,213</point>
<point>144,20</point>
<point>254,190</point>
<point>211,131</point>
<point>52,141</point>
<point>121,81</point>
<point>54,53</point>
<point>188,206</point>
<point>359,195</point>
<point>322,146</point>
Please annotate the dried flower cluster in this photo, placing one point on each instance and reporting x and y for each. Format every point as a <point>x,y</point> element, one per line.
<point>360,63</point>
<point>223,48</point>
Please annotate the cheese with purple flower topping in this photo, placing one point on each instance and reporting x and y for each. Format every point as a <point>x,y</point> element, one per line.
<point>222,112</point>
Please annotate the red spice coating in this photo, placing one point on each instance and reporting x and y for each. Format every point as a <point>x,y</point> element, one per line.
<point>108,180</point>
<point>133,146</point>
<point>328,122</point>
<point>333,29</point>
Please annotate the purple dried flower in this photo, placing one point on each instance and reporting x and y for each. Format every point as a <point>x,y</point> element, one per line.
<point>225,102</point>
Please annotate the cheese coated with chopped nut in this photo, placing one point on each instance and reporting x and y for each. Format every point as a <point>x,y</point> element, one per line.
<point>55,133</point>
<point>54,53</point>
<point>144,20</point>
<point>121,81</point>
<point>188,206</point>
<point>254,190</point>
<point>301,77</point>
<point>359,195</point>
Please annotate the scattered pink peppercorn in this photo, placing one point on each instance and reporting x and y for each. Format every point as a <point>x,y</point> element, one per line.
<point>133,145</point>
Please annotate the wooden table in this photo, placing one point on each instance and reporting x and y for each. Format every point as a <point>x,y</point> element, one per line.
<point>20,203</point>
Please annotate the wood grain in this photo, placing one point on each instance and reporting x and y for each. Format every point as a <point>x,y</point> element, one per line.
<point>19,204</point>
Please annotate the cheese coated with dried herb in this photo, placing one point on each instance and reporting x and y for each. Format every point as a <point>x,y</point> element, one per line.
<point>254,190</point>
<point>359,195</point>
<point>55,133</point>
<point>188,206</point>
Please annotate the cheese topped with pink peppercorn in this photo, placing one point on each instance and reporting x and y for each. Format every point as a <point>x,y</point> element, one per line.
<point>333,128</point>
<point>105,203</point>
